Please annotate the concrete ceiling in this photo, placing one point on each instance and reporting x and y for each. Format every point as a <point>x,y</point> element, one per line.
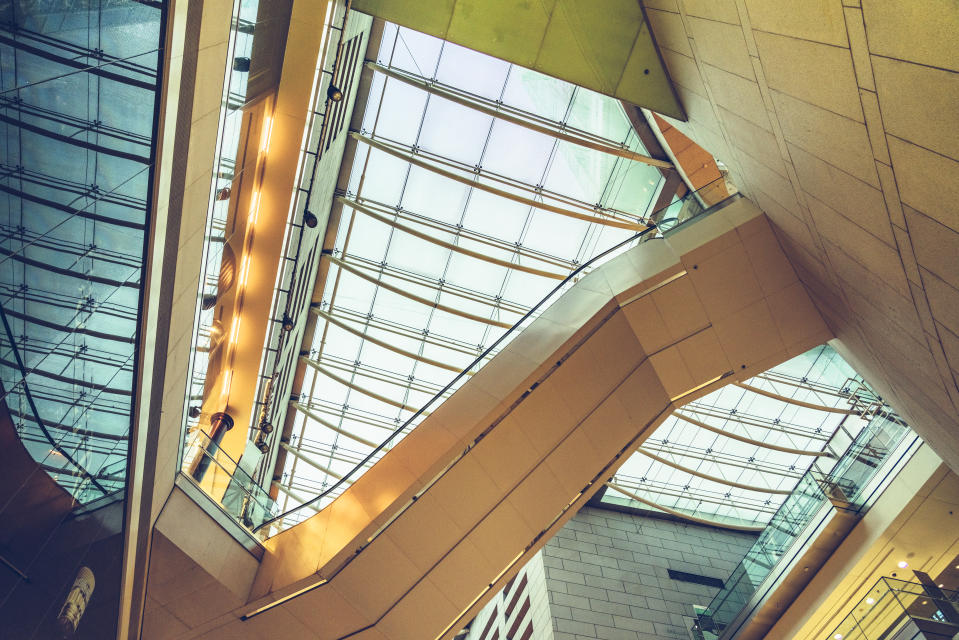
<point>839,120</point>
<point>610,51</point>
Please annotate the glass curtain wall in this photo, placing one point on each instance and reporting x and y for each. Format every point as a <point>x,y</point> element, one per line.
<point>78,99</point>
<point>428,270</point>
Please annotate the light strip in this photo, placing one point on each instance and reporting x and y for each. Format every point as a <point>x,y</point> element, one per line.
<point>700,386</point>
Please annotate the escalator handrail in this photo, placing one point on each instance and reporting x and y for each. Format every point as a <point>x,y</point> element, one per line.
<point>479,359</point>
<point>578,270</point>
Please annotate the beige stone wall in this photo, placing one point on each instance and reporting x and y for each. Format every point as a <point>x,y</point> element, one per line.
<point>839,117</point>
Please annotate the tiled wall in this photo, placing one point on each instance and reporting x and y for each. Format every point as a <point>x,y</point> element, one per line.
<point>605,576</point>
<point>606,573</point>
<point>838,117</point>
<point>520,611</point>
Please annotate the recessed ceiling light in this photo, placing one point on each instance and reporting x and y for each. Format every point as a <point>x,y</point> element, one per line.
<point>838,636</point>
<point>903,564</point>
<point>870,601</point>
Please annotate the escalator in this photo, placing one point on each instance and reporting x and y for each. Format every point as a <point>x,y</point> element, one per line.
<point>437,526</point>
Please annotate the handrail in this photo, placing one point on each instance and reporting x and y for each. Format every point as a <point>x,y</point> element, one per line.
<point>479,359</point>
<point>33,406</point>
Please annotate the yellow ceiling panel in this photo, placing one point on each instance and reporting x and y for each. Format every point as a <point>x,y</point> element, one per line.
<point>610,51</point>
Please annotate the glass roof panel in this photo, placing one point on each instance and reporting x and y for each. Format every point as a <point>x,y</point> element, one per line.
<point>452,304</point>
<point>817,377</point>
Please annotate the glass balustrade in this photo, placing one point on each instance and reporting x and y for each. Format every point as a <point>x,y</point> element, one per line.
<point>892,606</point>
<point>844,485</point>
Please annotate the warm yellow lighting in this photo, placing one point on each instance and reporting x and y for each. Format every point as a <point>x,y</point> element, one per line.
<point>267,134</point>
<point>54,452</point>
<point>227,378</point>
<point>287,598</point>
<point>255,206</point>
<point>700,386</point>
<point>245,270</point>
<point>235,330</point>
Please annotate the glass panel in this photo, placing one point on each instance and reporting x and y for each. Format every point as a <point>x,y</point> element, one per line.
<point>223,479</point>
<point>891,605</point>
<point>78,105</point>
<point>862,461</point>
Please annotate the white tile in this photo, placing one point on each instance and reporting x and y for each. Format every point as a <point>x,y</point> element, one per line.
<point>819,20</point>
<point>837,140</point>
<point>919,104</point>
<point>811,71</point>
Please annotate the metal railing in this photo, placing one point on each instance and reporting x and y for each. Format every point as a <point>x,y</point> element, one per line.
<point>892,605</point>
<point>693,211</point>
<point>843,486</point>
<point>226,481</point>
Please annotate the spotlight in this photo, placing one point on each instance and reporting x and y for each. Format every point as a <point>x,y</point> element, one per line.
<point>262,446</point>
<point>209,301</point>
<point>223,194</point>
<point>288,323</point>
<point>870,601</point>
<point>195,411</point>
<point>310,220</point>
<point>902,564</point>
<point>241,64</point>
<point>266,427</point>
<point>333,93</point>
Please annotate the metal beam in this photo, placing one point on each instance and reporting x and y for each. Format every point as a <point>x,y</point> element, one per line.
<point>516,116</point>
<point>717,479</point>
<point>794,401</point>
<point>680,514</point>
<point>610,220</point>
<point>758,443</point>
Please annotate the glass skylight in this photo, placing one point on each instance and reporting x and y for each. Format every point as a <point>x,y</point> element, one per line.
<point>766,472</point>
<point>379,351</point>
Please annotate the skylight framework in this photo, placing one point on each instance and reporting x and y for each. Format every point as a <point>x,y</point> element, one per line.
<point>733,456</point>
<point>454,224</point>
<point>78,96</point>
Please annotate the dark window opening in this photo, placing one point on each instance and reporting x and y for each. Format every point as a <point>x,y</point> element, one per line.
<point>698,579</point>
